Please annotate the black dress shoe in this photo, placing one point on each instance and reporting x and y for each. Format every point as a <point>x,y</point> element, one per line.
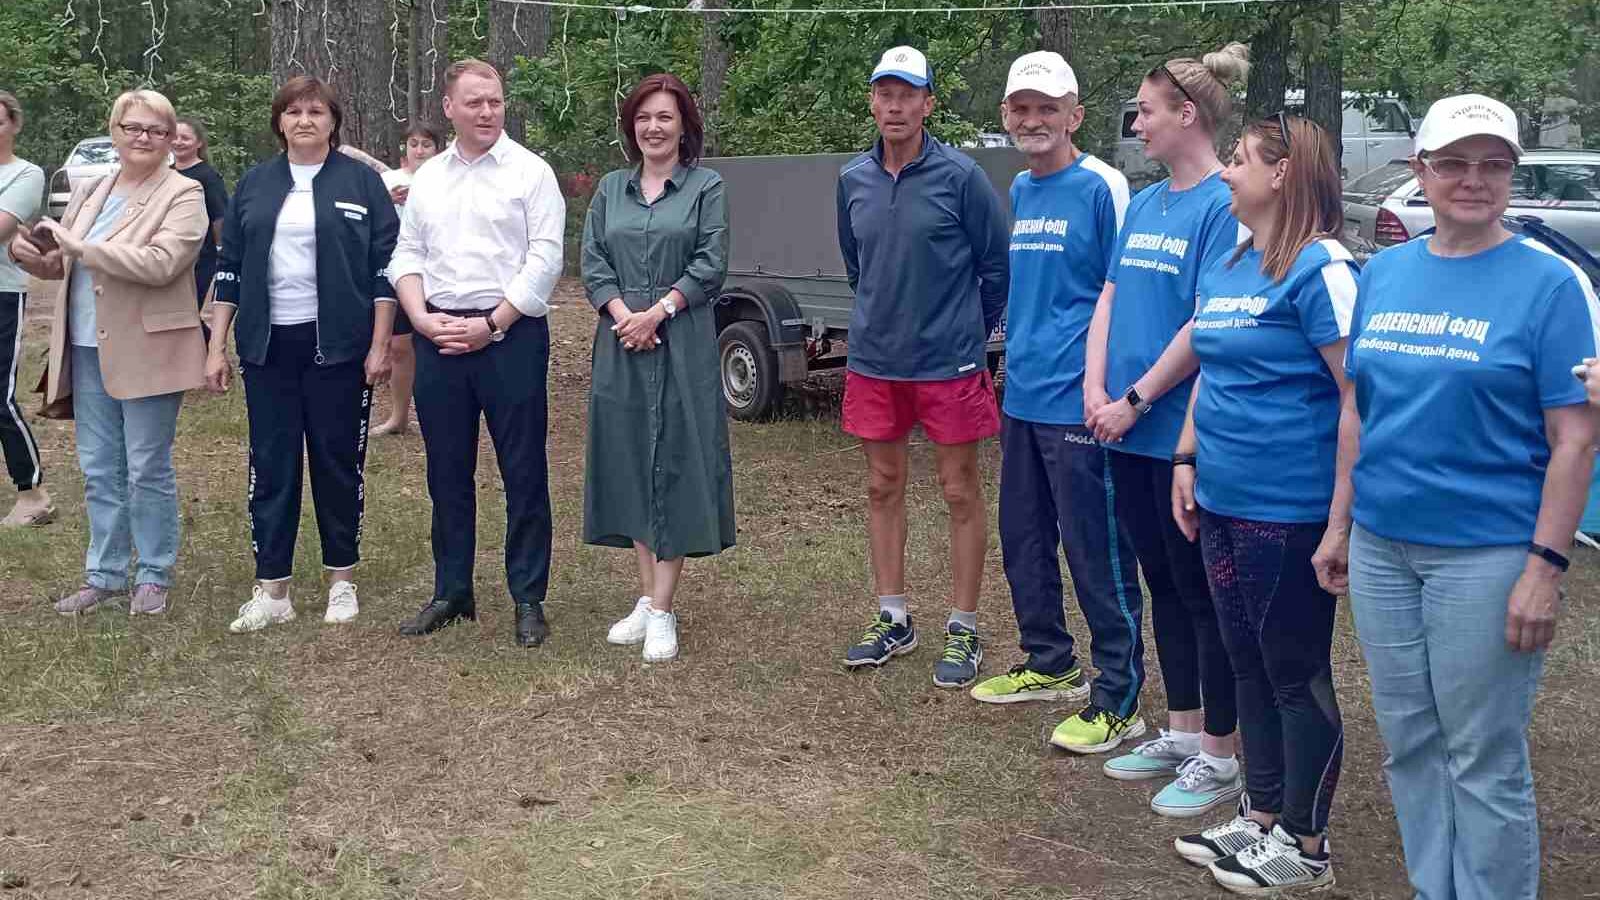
<point>531,626</point>
<point>436,615</point>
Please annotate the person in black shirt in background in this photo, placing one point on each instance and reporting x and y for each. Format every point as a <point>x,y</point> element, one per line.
<point>189,145</point>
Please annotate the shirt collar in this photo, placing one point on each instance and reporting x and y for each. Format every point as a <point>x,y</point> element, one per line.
<point>497,150</point>
<point>679,173</point>
<point>927,146</point>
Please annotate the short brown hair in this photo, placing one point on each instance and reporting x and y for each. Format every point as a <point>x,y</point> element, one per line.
<point>307,87</point>
<point>13,108</point>
<point>425,131</point>
<point>200,137</point>
<point>1311,203</point>
<point>469,65</point>
<point>694,134</point>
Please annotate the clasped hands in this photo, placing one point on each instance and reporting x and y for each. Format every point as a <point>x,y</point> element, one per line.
<point>636,330</point>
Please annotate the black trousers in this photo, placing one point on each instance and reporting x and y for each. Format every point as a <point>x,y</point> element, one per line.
<point>16,441</point>
<point>505,383</point>
<point>204,271</point>
<point>1194,662</point>
<point>294,406</point>
<point>1277,623</point>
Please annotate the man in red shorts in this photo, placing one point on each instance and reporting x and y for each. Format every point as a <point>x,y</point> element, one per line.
<point>925,244</point>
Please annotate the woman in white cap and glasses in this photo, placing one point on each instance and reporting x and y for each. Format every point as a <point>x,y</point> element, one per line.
<point>1470,462</point>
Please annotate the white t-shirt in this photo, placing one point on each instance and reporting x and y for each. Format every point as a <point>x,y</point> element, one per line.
<point>292,271</point>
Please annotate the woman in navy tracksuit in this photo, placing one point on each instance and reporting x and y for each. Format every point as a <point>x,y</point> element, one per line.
<point>305,244</point>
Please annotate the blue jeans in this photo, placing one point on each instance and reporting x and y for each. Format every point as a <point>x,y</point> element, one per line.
<point>1055,491</point>
<point>1453,703</point>
<point>130,488</point>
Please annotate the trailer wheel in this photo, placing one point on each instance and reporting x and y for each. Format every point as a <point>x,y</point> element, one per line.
<point>750,382</point>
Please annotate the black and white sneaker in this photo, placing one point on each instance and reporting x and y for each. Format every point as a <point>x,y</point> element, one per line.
<point>1274,866</point>
<point>1218,841</point>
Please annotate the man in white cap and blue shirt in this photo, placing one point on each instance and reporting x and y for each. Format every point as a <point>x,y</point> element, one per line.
<point>1054,487</point>
<point>923,237</point>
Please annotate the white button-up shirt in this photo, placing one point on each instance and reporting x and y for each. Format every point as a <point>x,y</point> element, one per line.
<point>483,231</point>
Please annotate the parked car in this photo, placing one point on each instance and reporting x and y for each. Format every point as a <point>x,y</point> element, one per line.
<point>1558,187</point>
<point>784,310</point>
<point>1377,128</point>
<point>93,156</point>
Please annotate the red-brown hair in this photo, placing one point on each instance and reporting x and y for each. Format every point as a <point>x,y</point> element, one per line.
<point>694,134</point>
<point>1311,203</point>
<point>307,87</point>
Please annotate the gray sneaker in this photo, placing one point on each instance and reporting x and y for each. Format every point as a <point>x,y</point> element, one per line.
<point>148,600</point>
<point>83,600</point>
<point>958,667</point>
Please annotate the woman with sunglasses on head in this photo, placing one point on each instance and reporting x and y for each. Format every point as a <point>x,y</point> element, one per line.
<point>1138,353</point>
<point>1469,477</point>
<point>1269,330</point>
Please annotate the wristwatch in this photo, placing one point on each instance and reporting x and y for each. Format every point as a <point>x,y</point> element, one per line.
<point>495,334</point>
<point>1550,556</point>
<point>1139,404</point>
<point>669,306</point>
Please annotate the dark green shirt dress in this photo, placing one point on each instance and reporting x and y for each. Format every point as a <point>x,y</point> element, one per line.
<point>658,467</point>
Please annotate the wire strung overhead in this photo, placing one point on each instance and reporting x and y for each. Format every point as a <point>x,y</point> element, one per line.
<point>697,7</point>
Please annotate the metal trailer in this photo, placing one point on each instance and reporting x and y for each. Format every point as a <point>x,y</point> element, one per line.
<point>787,301</point>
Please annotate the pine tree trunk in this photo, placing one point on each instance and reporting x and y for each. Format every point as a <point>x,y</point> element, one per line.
<point>431,56</point>
<point>517,30</point>
<point>1055,31</point>
<point>1325,73</point>
<point>714,58</point>
<point>347,43</point>
<point>1269,66</point>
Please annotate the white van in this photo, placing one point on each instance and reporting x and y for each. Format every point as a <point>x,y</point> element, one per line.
<point>1377,129</point>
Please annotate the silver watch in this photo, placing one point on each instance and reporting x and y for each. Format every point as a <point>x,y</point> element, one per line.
<point>669,306</point>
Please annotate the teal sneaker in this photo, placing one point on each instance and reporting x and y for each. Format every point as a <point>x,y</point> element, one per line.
<point>1198,789</point>
<point>1159,758</point>
<point>1022,684</point>
<point>958,667</point>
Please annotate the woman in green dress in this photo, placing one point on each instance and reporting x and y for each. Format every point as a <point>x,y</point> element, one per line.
<point>655,251</point>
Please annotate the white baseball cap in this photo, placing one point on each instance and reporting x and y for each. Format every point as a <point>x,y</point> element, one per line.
<point>1043,71</point>
<point>907,64</point>
<point>1467,115</point>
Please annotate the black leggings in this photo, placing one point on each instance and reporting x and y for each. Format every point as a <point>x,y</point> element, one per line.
<point>1194,663</point>
<point>1278,625</point>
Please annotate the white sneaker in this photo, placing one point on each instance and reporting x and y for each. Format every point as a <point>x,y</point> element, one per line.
<point>342,606</point>
<point>261,611</point>
<point>1223,840</point>
<point>1273,866</point>
<point>630,629</point>
<point>660,635</point>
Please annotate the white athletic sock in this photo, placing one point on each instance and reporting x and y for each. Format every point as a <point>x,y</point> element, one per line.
<point>1224,766</point>
<point>894,605</point>
<point>968,619</point>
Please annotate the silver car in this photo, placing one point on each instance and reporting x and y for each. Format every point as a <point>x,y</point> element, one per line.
<point>1560,187</point>
<point>92,157</point>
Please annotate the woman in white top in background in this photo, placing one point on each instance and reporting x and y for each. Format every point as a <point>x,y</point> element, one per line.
<point>421,144</point>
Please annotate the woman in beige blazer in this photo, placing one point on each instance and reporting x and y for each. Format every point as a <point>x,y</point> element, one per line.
<point>124,345</point>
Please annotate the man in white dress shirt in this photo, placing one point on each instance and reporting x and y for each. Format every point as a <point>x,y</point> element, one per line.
<point>478,257</point>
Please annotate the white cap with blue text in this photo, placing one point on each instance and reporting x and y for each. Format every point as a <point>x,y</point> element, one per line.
<point>907,64</point>
<point>1043,71</point>
<point>1467,115</point>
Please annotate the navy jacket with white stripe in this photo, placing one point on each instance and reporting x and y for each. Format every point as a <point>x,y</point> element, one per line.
<point>356,228</point>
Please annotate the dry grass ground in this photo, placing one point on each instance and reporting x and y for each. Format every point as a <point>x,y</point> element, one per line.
<point>167,758</point>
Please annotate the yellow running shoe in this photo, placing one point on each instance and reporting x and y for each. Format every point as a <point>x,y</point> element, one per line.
<point>1022,684</point>
<point>1096,730</point>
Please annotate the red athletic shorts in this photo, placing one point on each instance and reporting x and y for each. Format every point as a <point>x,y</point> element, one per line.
<point>958,411</point>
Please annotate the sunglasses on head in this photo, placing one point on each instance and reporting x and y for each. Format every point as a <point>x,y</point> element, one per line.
<point>1175,82</point>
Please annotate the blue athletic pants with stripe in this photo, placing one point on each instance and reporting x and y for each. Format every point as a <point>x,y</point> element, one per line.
<point>1055,491</point>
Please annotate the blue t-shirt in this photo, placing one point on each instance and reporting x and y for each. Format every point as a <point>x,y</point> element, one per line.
<point>1063,234</point>
<point>1170,237</point>
<point>81,317</point>
<point>1454,362</point>
<point>1266,395</point>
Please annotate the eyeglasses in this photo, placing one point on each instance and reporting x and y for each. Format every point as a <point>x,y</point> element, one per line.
<point>1175,82</point>
<point>1454,168</point>
<point>156,132</point>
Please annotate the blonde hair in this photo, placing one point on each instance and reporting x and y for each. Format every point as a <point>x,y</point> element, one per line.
<point>1206,82</point>
<point>469,66</point>
<point>151,100</point>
